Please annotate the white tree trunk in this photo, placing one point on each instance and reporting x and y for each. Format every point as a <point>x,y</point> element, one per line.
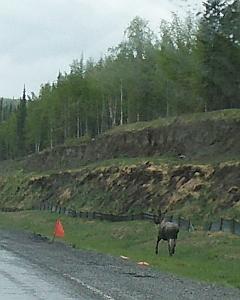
<point>51,138</point>
<point>78,127</point>
<point>121,104</point>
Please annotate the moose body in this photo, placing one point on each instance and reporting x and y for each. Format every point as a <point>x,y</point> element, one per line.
<point>168,231</point>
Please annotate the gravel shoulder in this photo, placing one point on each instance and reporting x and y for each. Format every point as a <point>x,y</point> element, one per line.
<point>99,276</point>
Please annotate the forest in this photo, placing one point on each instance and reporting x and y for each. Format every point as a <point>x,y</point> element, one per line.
<point>190,65</point>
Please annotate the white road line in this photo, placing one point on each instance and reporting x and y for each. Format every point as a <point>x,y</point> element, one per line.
<point>91,288</point>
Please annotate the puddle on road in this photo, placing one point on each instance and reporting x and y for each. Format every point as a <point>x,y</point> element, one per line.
<point>20,281</point>
<point>136,275</point>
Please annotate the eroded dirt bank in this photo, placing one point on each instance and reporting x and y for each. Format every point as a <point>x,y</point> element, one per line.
<point>191,190</point>
<point>206,136</point>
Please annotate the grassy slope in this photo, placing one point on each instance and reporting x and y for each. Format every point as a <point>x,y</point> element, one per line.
<point>214,257</point>
<point>10,166</point>
<point>219,115</point>
<point>199,255</point>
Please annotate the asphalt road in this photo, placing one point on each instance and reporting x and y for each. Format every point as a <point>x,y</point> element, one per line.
<point>19,280</point>
<point>33,268</point>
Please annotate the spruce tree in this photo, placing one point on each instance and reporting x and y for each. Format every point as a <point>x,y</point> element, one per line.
<point>219,50</point>
<point>21,125</point>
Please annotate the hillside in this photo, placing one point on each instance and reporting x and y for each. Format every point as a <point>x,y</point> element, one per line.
<point>196,191</point>
<point>137,168</point>
<point>207,137</point>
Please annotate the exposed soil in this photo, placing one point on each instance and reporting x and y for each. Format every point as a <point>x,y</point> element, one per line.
<point>205,139</point>
<point>190,189</point>
<point>200,190</point>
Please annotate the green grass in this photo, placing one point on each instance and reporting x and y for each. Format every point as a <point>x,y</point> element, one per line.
<point>226,114</point>
<point>10,167</point>
<point>207,257</point>
<point>166,159</point>
<point>128,161</point>
<point>119,162</point>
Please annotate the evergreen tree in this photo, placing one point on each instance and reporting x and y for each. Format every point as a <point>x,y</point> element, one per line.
<point>1,110</point>
<point>189,67</point>
<point>21,125</point>
<point>230,24</point>
<point>219,54</point>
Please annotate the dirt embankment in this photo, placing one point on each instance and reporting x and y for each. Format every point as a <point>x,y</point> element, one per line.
<point>207,138</point>
<point>194,140</point>
<point>191,190</point>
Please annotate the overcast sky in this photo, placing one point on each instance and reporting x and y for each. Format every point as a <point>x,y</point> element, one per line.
<point>40,37</point>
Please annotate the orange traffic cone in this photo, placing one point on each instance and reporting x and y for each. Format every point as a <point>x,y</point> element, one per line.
<point>58,231</point>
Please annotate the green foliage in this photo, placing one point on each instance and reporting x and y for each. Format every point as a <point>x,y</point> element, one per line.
<point>7,107</point>
<point>219,54</point>
<point>21,125</point>
<point>191,66</point>
<point>85,139</point>
<point>220,115</point>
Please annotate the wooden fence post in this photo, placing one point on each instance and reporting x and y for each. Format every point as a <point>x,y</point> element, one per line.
<point>233,226</point>
<point>210,226</point>
<point>179,221</point>
<point>189,223</point>
<point>221,224</point>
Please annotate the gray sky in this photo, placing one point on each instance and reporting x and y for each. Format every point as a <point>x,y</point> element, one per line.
<point>40,37</point>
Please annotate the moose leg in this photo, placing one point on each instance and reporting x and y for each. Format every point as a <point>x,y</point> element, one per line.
<point>158,240</point>
<point>171,246</point>
<point>174,245</point>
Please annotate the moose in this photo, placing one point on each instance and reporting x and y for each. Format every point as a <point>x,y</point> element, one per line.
<point>168,231</point>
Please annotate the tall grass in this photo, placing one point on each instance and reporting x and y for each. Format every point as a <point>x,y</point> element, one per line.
<point>218,115</point>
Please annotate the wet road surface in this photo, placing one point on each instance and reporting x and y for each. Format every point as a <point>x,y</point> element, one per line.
<point>33,268</point>
<point>21,281</point>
